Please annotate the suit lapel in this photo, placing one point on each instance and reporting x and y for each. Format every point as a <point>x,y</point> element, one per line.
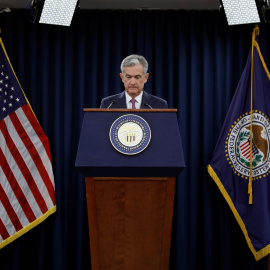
<point>121,101</point>
<point>146,99</point>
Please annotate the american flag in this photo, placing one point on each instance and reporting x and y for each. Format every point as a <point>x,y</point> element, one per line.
<point>27,191</point>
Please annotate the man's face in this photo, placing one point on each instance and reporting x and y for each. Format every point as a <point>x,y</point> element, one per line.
<point>134,79</point>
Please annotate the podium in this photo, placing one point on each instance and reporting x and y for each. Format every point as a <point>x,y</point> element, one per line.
<point>130,197</point>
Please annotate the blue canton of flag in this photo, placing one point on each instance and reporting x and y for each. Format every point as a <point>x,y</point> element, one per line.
<point>242,172</point>
<point>11,96</point>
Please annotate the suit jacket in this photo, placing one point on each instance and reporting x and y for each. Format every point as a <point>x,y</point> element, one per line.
<point>120,101</point>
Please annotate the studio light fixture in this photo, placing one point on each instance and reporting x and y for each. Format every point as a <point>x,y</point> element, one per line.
<point>55,12</point>
<point>244,11</point>
<point>58,12</point>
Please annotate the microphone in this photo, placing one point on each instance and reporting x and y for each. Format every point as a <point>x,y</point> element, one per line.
<point>113,102</point>
<point>146,104</point>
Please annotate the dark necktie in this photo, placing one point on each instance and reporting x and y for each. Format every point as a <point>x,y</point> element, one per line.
<point>133,103</point>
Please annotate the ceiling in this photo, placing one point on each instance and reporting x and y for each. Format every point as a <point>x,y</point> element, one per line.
<point>130,4</point>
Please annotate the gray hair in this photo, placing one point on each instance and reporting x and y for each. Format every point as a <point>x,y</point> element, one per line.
<point>133,60</point>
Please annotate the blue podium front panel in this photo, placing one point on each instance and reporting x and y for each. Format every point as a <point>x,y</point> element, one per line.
<point>161,157</point>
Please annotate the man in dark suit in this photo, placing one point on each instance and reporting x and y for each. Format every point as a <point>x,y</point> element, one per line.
<point>134,75</point>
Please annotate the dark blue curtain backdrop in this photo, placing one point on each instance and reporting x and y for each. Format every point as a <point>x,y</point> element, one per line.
<point>196,61</point>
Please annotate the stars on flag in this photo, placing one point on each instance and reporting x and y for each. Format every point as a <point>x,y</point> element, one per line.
<point>8,98</point>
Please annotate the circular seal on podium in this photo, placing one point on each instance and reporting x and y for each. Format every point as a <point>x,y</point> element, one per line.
<point>130,134</point>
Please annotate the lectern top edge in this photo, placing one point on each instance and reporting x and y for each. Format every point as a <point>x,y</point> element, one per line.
<point>128,110</point>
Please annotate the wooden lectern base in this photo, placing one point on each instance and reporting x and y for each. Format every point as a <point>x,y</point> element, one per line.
<point>130,222</point>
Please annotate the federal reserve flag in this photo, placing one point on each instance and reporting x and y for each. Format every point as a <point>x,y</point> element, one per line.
<point>242,151</point>
<point>27,195</point>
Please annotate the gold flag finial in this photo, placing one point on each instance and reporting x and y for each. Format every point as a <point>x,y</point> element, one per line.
<point>256,31</point>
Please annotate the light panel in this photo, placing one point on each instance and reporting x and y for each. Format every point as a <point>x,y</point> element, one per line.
<point>58,12</point>
<point>241,11</point>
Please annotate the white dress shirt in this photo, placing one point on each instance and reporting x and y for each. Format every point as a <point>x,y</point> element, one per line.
<point>137,103</point>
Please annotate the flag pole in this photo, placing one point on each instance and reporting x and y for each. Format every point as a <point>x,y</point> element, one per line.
<point>254,34</point>
<point>251,111</point>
